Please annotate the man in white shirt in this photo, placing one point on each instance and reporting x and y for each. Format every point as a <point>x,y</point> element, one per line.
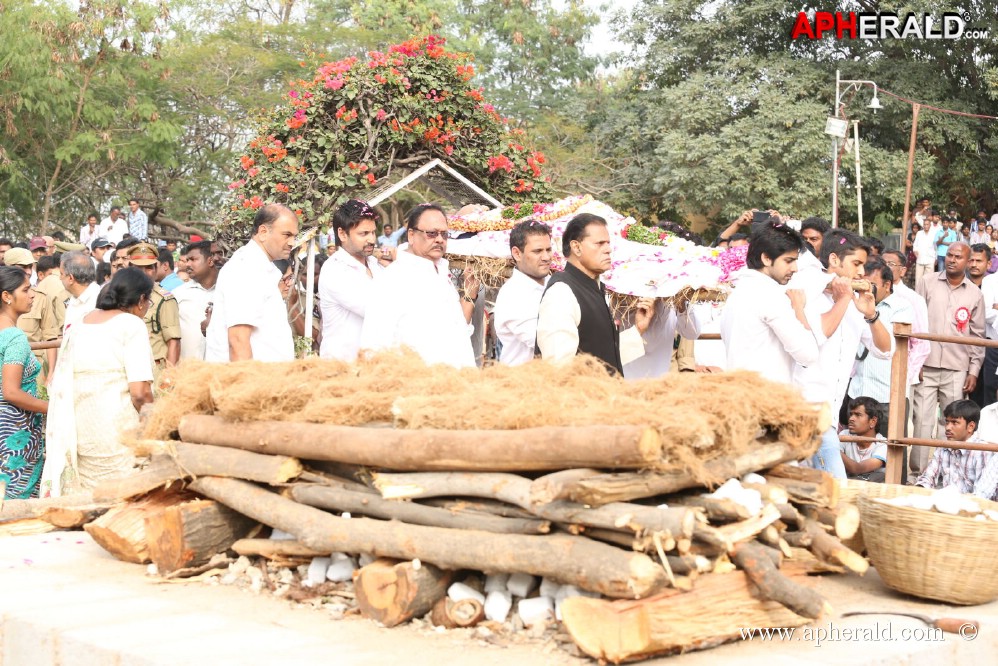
<point>346,279</point>
<point>574,316</point>
<point>77,277</point>
<point>114,227</point>
<point>840,320</point>
<point>866,461</point>
<point>194,297</point>
<point>413,301</point>
<point>249,318</point>
<point>762,324</point>
<point>924,247</point>
<point>659,339</point>
<point>90,231</point>
<point>918,350</point>
<point>873,375</point>
<point>518,301</point>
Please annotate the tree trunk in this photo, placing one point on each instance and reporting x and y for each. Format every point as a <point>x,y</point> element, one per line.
<point>623,486</point>
<point>35,508</point>
<point>187,460</point>
<point>715,611</point>
<point>457,614</point>
<point>122,530</point>
<point>672,522</point>
<point>530,449</point>
<point>189,534</point>
<point>556,486</point>
<point>374,506</point>
<point>275,549</point>
<point>753,559</point>
<point>567,559</point>
<point>828,548</point>
<point>393,592</point>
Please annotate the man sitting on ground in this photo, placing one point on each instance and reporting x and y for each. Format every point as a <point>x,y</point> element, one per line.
<point>957,467</point>
<point>865,461</point>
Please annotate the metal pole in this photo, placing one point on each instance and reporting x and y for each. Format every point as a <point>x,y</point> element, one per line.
<point>835,159</point>
<point>911,166</point>
<point>309,286</point>
<point>859,186</point>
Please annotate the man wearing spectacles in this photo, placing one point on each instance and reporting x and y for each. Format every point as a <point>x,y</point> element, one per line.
<point>413,301</point>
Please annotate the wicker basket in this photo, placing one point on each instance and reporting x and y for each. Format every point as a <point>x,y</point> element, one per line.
<point>850,490</point>
<point>931,555</point>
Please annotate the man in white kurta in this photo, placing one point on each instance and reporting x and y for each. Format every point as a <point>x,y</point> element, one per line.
<point>346,280</point>
<point>194,297</point>
<point>77,275</point>
<point>413,302</point>
<point>515,314</point>
<point>249,318</point>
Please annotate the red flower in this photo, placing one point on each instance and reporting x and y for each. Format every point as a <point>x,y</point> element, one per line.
<point>370,178</point>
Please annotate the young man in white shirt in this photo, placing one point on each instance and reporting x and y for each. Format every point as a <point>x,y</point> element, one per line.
<point>413,302</point>
<point>90,231</point>
<point>346,279</point>
<point>249,318</point>
<point>924,247</point>
<point>865,461</point>
<point>762,324</point>
<point>515,313</point>
<point>194,297</point>
<point>840,320</point>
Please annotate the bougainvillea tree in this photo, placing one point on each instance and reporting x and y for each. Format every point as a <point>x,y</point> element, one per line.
<point>358,121</point>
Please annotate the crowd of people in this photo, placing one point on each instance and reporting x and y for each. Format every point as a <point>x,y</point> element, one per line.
<point>813,308</point>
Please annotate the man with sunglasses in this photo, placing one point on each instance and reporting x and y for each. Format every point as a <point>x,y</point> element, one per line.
<point>346,278</point>
<point>413,302</point>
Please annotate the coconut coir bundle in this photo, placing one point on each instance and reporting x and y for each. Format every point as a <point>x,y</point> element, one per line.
<point>700,417</point>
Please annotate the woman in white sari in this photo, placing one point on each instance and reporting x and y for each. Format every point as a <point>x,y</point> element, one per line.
<point>102,380</point>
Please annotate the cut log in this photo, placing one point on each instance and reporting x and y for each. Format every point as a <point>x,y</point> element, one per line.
<point>14,509</point>
<point>771,537</point>
<point>843,519</point>
<point>192,460</point>
<point>825,493</point>
<point>747,529</point>
<point>275,549</point>
<point>671,522</point>
<point>25,527</point>
<point>122,530</point>
<point>392,592</point>
<point>457,614</point>
<point>828,548</point>
<point>69,518</point>
<point>566,559</point>
<point>190,534</point>
<point>717,509</point>
<point>374,506</point>
<point>790,516</point>
<point>769,492</point>
<point>642,544</point>
<point>529,449</point>
<point>475,506</point>
<point>716,610</point>
<point>757,564</point>
<point>606,488</point>
<point>557,485</point>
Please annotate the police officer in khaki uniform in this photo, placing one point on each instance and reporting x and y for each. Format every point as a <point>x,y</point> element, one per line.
<point>163,318</point>
<point>48,311</point>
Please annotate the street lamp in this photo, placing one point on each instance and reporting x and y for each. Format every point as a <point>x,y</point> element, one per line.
<point>838,128</point>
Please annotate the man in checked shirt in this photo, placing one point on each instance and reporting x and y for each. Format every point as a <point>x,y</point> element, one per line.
<point>957,467</point>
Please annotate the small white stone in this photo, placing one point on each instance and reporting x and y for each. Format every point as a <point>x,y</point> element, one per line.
<point>416,564</point>
<point>497,605</point>
<point>460,591</point>
<point>279,535</point>
<point>317,570</point>
<point>536,610</point>
<point>341,569</point>
<point>152,569</point>
<point>345,514</point>
<point>495,582</point>
<point>752,477</point>
<point>549,588</point>
<point>521,584</point>
<point>365,559</point>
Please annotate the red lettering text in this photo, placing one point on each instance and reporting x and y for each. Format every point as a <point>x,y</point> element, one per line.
<point>802,26</point>
<point>842,25</point>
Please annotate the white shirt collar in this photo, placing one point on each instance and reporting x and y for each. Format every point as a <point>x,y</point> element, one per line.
<point>345,258</point>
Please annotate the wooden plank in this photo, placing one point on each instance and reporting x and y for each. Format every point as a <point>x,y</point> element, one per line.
<point>896,414</point>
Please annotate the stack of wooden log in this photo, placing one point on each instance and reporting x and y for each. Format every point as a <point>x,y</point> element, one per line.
<point>593,509</point>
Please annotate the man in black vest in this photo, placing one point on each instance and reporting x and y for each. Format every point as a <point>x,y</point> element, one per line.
<point>574,317</point>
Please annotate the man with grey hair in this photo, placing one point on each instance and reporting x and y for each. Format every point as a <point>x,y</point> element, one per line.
<point>78,275</point>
